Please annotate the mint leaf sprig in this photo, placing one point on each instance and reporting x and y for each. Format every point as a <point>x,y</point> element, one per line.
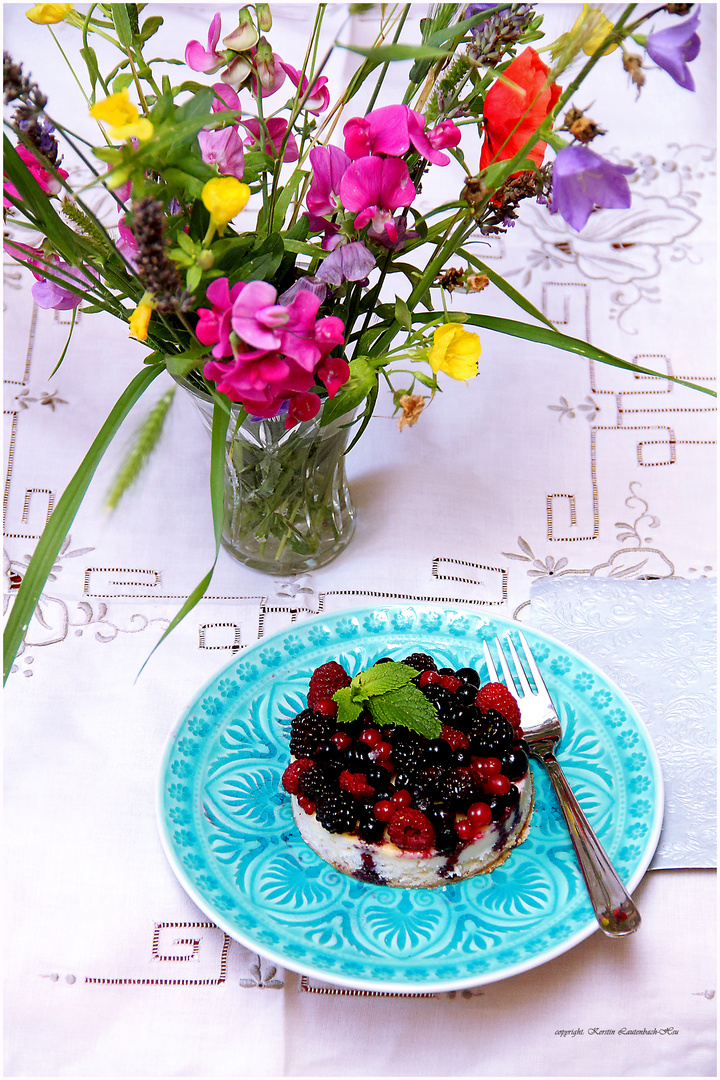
<point>389,695</point>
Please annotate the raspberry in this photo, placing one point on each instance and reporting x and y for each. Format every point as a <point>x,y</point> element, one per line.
<point>324,681</point>
<point>458,739</point>
<point>356,784</point>
<point>411,830</point>
<point>496,696</point>
<point>293,773</point>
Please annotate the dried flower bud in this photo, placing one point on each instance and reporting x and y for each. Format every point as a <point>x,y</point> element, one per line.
<point>679,9</point>
<point>412,405</point>
<point>584,129</point>
<point>476,282</point>
<point>633,66</point>
<point>473,192</point>
<point>450,279</point>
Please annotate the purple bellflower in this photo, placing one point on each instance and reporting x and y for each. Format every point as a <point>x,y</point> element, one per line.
<point>674,48</point>
<point>583,180</point>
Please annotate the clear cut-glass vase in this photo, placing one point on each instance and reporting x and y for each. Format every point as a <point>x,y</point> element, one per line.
<point>287,507</point>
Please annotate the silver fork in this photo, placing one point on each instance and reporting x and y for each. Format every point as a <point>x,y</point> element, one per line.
<point>614,909</point>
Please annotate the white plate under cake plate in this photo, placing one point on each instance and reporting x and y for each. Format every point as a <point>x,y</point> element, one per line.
<point>228,831</point>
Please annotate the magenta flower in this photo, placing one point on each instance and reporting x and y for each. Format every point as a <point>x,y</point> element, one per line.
<point>319,98</point>
<point>348,262</point>
<point>674,48</point>
<point>256,318</point>
<point>373,184</point>
<point>334,373</point>
<point>223,148</point>
<point>275,129</point>
<point>583,180</point>
<point>393,129</point>
<point>206,59</point>
<point>329,164</point>
<point>270,70</point>
<point>46,180</point>
<point>215,324</point>
<point>127,244</point>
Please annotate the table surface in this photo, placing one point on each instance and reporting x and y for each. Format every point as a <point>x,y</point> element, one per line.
<point>546,465</point>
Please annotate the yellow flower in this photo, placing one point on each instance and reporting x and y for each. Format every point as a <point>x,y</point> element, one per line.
<point>224,197</point>
<point>594,27</point>
<point>119,111</point>
<point>455,351</point>
<point>42,14</point>
<point>140,319</point>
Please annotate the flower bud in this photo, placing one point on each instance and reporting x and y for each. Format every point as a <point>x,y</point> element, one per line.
<point>205,260</point>
<point>245,35</point>
<point>264,16</point>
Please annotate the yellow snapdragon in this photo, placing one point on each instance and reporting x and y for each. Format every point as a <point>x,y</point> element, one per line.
<point>42,14</point>
<point>140,318</point>
<point>126,122</point>
<point>455,351</point>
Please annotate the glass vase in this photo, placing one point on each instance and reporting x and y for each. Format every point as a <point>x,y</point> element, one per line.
<point>287,506</point>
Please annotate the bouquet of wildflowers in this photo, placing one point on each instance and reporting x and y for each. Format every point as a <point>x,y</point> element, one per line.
<point>267,252</point>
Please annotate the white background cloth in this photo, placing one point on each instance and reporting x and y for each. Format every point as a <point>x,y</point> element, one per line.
<point>544,466</point>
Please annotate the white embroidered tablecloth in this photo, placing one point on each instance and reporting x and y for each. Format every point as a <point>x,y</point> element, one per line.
<point>544,467</point>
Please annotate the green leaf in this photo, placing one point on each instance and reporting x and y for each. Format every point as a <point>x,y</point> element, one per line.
<point>90,57</point>
<point>194,276</point>
<point>408,707</point>
<point>263,262</point>
<point>348,710</point>
<point>123,26</point>
<point>506,288</point>
<point>402,313</point>
<point>150,27</point>
<point>121,81</point>
<point>382,54</point>
<point>362,382</point>
<point>62,518</point>
<point>383,677</point>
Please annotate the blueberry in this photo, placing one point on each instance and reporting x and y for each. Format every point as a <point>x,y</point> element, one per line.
<point>462,756</point>
<point>514,763</point>
<point>438,752</point>
<point>469,675</point>
<point>446,841</point>
<point>356,756</point>
<point>466,694</point>
<point>371,830</point>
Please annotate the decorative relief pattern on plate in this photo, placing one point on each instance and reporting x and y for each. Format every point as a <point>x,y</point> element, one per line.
<point>229,833</point>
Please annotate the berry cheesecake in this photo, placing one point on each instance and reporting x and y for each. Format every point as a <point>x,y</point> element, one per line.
<point>409,775</point>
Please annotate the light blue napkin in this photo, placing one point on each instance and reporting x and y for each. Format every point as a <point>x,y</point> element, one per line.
<point>657,641</point>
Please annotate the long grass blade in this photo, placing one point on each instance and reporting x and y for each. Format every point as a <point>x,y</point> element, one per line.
<point>62,518</point>
<point>557,340</point>
<point>220,422</point>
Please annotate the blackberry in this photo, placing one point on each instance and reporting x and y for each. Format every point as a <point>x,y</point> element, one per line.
<point>492,736</point>
<point>420,661</point>
<point>458,789</point>
<point>307,730</point>
<point>316,784</point>
<point>442,699</point>
<point>336,812</point>
<point>462,717</point>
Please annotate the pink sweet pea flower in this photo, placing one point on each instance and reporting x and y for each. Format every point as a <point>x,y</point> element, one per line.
<point>371,184</point>
<point>127,244</point>
<point>348,262</point>
<point>214,324</point>
<point>393,129</point>
<point>319,98</point>
<point>225,98</point>
<point>49,184</point>
<point>50,294</point>
<point>207,60</point>
<point>275,128</point>
<point>257,319</point>
<point>335,372</point>
<point>269,67</point>
<point>329,164</point>
<point>223,148</point>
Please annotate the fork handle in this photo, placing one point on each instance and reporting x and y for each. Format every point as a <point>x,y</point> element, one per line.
<point>614,909</point>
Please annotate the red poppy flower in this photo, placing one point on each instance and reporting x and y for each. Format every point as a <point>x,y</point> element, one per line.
<point>513,113</point>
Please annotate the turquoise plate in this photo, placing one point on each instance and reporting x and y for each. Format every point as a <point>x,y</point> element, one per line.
<point>227,826</point>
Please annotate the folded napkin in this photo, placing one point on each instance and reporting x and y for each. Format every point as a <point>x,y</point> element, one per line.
<point>657,641</point>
